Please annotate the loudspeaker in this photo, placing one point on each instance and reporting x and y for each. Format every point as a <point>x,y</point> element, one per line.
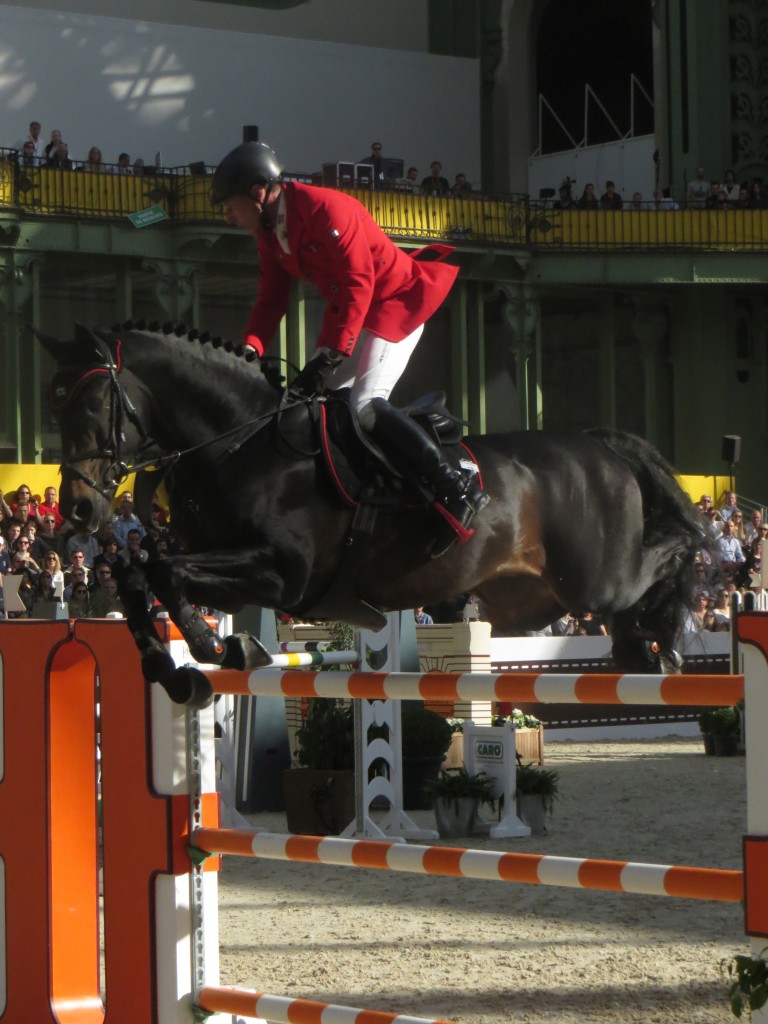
<point>731,448</point>
<point>250,133</point>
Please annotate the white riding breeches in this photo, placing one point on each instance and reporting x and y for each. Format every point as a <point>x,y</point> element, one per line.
<point>373,369</point>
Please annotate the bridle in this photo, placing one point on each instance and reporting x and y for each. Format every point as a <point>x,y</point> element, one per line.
<point>122,410</point>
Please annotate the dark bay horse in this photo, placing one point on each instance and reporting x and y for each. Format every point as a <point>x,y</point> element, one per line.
<point>586,521</point>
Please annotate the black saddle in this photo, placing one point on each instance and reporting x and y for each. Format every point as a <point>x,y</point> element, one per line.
<point>357,465</point>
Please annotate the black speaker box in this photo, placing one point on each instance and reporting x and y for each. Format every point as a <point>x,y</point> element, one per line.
<point>731,448</point>
<point>250,133</point>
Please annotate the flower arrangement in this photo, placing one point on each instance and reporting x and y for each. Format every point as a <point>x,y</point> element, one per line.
<point>456,724</point>
<point>456,783</point>
<point>519,719</point>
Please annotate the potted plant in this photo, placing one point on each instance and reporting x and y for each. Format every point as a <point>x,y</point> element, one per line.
<point>426,737</point>
<point>707,727</point>
<point>726,731</point>
<point>456,796</point>
<point>536,790</point>
<point>749,982</point>
<point>529,734</point>
<point>320,795</point>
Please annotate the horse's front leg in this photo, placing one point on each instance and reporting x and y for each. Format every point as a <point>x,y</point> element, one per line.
<point>157,665</point>
<point>225,580</point>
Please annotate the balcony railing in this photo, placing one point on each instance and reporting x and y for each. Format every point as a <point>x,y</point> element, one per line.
<point>509,221</point>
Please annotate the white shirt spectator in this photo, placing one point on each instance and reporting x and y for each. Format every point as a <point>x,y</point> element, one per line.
<point>729,548</point>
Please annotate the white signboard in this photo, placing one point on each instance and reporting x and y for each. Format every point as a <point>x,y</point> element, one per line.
<point>491,749</point>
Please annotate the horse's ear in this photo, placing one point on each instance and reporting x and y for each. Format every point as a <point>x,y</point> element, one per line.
<point>54,346</point>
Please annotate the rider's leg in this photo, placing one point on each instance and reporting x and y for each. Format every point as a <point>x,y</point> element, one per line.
<point>379,365</point>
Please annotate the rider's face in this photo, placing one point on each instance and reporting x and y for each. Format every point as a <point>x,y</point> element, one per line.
<point>245,212</point>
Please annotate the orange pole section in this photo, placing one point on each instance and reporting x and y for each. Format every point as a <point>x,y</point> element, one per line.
<point>295,1011</point>
<point>138,825</point>
<point>74,837</point>
<point>25,651</point>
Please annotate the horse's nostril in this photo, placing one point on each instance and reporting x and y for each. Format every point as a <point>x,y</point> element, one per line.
<point>82,510</point>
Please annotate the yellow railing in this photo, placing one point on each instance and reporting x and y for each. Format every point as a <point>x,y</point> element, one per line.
<point>509,221</point>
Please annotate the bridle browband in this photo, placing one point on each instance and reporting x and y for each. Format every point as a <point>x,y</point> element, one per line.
<point>121,408</point>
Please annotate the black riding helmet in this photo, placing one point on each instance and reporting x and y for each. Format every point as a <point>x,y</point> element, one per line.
<point>252,163</point>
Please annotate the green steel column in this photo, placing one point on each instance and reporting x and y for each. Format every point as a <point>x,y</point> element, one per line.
<point>476,358</point>
<point>521,315</point>
<point>650,325</point>
<point>607,356</point>
<point>295,339</point>
<point>23,307</point>
<point>124,291</point>
<point>459,397</point>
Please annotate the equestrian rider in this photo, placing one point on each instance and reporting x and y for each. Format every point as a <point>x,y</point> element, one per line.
<point>378,298</point>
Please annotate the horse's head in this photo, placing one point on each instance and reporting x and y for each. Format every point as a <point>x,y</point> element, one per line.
<point>96,419</point>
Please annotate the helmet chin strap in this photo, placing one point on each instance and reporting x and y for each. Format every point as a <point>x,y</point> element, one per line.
<point>266,220</point>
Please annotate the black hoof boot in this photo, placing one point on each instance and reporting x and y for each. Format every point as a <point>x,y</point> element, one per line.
<point>189,687</point>
<point>157,665</point>
<point>243,651</point>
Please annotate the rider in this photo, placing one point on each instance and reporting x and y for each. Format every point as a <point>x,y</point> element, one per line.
<point>378,301</point>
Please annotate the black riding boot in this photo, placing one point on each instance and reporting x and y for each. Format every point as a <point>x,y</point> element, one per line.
<point>458,496</point>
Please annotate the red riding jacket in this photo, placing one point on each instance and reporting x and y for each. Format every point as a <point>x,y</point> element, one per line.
<point>368,282</point>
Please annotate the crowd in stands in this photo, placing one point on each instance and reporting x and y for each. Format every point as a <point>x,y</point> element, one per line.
<point>62,567</point>
<point>33,151</point>
<point>701,194</point>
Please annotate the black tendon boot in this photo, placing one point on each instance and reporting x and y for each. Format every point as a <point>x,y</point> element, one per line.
<point>458,496</point>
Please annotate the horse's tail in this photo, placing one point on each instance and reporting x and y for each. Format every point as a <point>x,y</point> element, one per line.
<point>669,514</point>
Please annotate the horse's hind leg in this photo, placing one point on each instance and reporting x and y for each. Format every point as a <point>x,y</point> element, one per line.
<point>644,635</point>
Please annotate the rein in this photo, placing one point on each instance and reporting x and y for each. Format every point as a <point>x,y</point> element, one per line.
<point>122,408</point>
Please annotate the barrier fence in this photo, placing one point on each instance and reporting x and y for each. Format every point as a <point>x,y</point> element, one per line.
<point>159,809</point>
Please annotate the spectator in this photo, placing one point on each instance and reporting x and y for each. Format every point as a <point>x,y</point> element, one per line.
<point>76,577</point>
<point>588,200</point>
<point>47,536</point>
<point>461,187</point>
<point>109,553</point>
<point>49,506</point>
<point>410,182</point>
<point>729,505</point>
<point>565,200</point>
<point>33,137</point>
<point>5,557</point>
<point>53,145</point>
<point>637,201</point>
<point>731,187</point>
<point>21,566</point>
<point>123,165</point>
<point>435,184</point>
<point>663,201</point>
<point>729,549</point>
<point>22,496</point>
<point>718,197</point>
<point>133,551</point>
<point>374,158</point>
<point>695,618</point>
<point>79,603</point>
<point>85,543</point>
<point>59,158</point>
<point>77,568</point>
<point>737,524</point>
<point>52,563</point>
<point>94,162</point>
<point>705,503</point>
<point>422,618</point>
<point>36,547</point>
<point>138,167</point>
<point>105,599</point>
<point>26,157</point>
<point>698,191</point>
<point>564,626</point>
<point>590,624</point>
<point>44,592</point>
<point>125,519</point>
<point>757,199</point>
<point>742,203</point>
<point>101,572</point>
<point>12,534</point>
<point>610,199</point>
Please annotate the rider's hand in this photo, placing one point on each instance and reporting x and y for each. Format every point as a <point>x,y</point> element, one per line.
<point>313,379</point>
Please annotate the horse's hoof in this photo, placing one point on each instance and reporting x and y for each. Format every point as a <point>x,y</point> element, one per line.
<point>188,686</point>
<point>244,651</point>
<point>671,663</point>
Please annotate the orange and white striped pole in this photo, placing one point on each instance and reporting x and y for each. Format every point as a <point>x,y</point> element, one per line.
<point>281,1010</point>
<point>537,869</point>
<point>518,687</point>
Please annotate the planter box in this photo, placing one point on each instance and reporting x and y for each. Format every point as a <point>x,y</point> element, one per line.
<point>529,744</point>
<point>318,803</point>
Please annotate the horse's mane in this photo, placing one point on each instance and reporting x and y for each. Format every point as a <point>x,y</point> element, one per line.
<point>241,356</point>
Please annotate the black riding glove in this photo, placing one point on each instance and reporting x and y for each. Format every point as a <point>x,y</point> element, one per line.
<point>313,379</point>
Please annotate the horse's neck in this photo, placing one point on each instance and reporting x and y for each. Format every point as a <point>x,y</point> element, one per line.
<point>193,399</point>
